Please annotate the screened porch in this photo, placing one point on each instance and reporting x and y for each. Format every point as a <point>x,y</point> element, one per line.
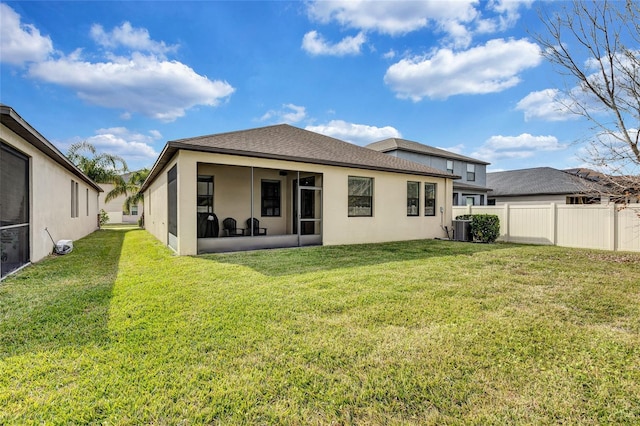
<point>248,208</point>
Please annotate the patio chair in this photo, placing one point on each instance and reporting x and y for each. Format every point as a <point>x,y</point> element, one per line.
<point>230,229</point>
<point>256,227</point>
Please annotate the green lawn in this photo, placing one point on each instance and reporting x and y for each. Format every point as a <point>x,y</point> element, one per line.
<point>121,331</point>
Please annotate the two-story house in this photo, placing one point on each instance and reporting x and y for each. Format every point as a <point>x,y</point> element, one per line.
<point>470,189</point>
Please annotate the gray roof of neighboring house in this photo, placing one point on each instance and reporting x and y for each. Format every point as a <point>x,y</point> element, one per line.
<point>393,144</point>
<point>537,181</point>
<point>10,118</point>
<point>285,142</point>
<point>469,187</point>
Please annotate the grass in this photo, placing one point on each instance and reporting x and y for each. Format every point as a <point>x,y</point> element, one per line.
<point>120,331</point>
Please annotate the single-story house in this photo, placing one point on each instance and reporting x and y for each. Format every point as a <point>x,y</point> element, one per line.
<point>623,189</point>
<point>281,186</point>
<point>541,185</point>
<point>471,186</point>
<point>40,190</point>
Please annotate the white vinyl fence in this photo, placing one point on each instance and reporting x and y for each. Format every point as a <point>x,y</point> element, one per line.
<point>603,227</point>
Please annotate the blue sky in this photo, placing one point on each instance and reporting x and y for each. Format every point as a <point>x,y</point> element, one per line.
<point>130,76</point>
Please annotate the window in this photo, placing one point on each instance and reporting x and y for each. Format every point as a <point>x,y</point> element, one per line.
<point>429,199</point>
<point>450,166</point>
<point>270,199</point>
<point>74,198</point>
<point>470,200</point>
<point>87,193</point>
<point>360,196</point>
<point>172,200</point>
<point>471,172</point>
<point>413,198</point>
<point>491,202</point>
<point>77,201</point>
<point>134,210</point>
<point>205,194</point>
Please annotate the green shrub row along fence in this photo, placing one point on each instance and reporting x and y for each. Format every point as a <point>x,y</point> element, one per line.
<point>605,227</point>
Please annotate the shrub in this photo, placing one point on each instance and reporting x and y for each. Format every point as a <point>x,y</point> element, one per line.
<point>485,227</point>
<point>104,218</point>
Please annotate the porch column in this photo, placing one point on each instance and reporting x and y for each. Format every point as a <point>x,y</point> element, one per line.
<point>187,203</point>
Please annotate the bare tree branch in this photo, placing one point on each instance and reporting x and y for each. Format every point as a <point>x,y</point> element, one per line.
<point>595,44</point>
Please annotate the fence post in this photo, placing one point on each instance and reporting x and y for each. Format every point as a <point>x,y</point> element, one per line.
<point>554,223</point>
<point>506,222</point>
<point>613,227</point>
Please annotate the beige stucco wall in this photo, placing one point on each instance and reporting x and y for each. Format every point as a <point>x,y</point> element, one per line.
<point>389,222</point>
<point>50,199</point>
<point>155,206</point>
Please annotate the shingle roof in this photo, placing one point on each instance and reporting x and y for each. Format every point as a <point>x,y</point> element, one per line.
<point>285,142</point>
<point>10,118</point>
<point>539,180</point>
<point>464,186</point>
<point>392,144</point>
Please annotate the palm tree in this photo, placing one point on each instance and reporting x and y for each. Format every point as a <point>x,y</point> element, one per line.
<point>129,187</point>
<point>101,168</point>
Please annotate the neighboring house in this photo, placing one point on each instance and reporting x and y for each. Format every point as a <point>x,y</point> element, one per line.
<point>39,189</point>
<point>618,189</point>
<point>114,208</point>
<point>471,186</point>
<point>303,188</point>
<point>541,185</point>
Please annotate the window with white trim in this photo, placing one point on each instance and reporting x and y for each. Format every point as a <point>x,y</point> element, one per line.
<point>429,199</point>
<point>450,166</point>
<point>471,172</point>
<point>74,198</point>
<point>360,196</point>
<point>413,198</point>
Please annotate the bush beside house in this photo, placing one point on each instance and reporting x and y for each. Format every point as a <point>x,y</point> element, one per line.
<point>485,228</point>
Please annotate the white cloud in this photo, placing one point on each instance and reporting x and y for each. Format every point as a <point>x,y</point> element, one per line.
<point>393,18</point>
<point>359,134</point>
<point>137,39</point>
<point>459,19</point>
<point>390,54</point>
<point>315,44</point>
<point>135,148</point>
<point>20,43</point>
<point>490,68</point>
<point>516,147</point>
<point>140,81</point>
<point>289,113</point>
<point>548,105</point>
<point>142,84</point>
<point>508,13</point>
